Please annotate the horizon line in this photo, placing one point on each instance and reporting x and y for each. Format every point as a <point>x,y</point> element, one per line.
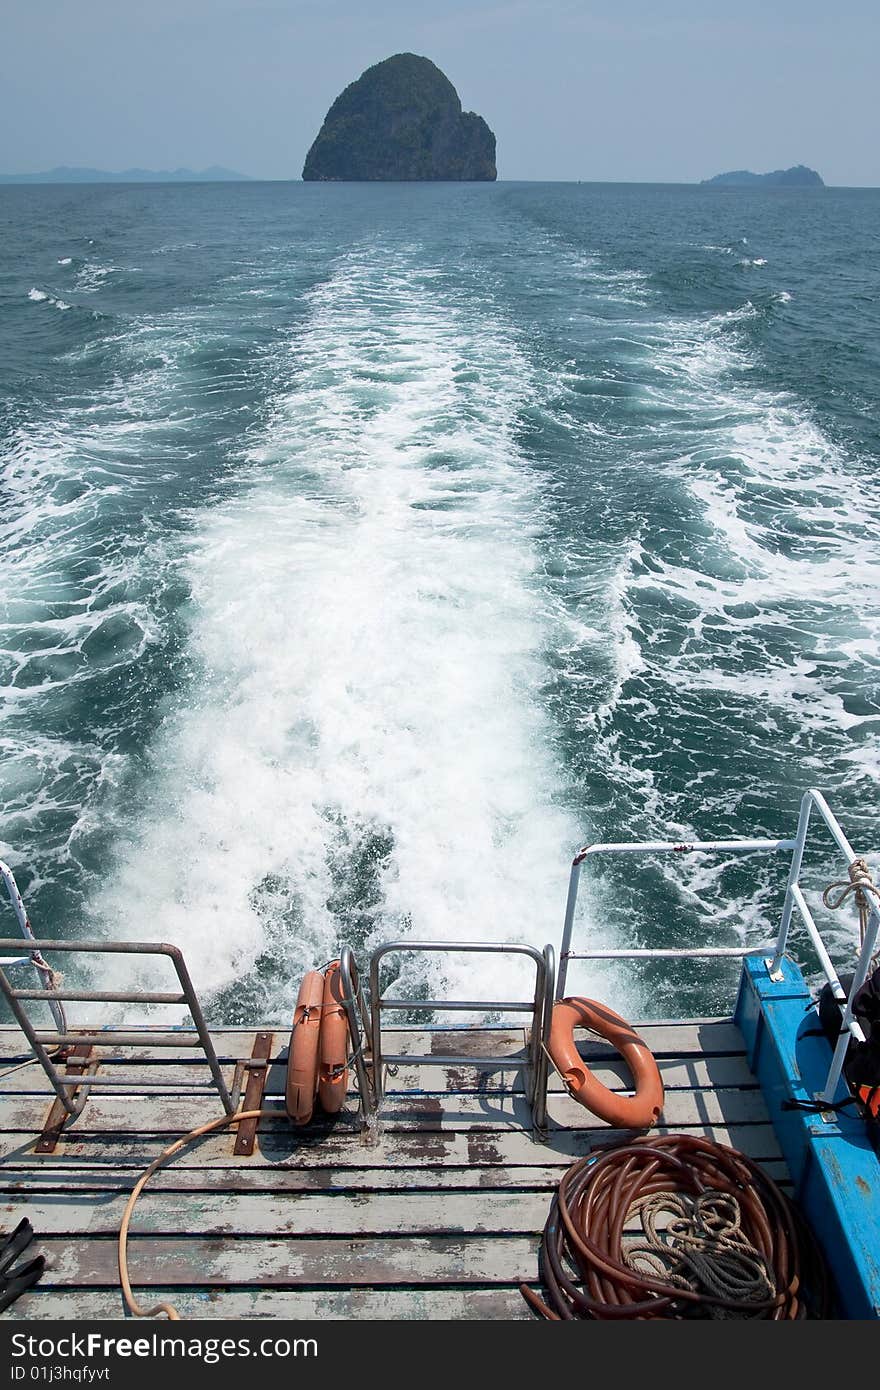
<point>35,178</point>
<point>220,173</point>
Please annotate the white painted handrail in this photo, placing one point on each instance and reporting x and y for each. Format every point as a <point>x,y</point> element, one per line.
<point>794,898</point>
<point>43,969</point>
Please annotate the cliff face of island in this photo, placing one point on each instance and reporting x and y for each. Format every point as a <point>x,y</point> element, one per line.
<point>401,120</point>
<point>799,176</point>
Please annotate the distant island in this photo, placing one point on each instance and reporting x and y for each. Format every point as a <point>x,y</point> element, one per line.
<point>64,174</point>
<point>799,176</point>
<point>401,121</point>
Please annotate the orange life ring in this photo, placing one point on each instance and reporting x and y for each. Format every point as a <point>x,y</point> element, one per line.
<point>640,1111</point>
<point>333,1069</point>
<point>302,1057</point>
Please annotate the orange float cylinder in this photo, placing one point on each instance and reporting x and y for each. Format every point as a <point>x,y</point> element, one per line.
<point>302,1058</point>
<point>333,1067</point>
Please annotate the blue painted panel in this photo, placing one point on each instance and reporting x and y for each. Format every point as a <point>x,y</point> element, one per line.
<point>747,1016</point>
<point>833,1164</point>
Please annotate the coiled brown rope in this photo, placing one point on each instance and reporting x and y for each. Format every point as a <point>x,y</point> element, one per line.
<point>584,1264</point>
<point>702,1246</point>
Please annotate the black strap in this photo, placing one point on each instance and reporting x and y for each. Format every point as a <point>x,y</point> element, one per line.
<point>15,1243</point>
<point>817,1107</point>
<point>820,1033</point>
<point>24,1277</point>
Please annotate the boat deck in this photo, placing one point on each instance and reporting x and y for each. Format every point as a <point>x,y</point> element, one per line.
<point>438,1214</point>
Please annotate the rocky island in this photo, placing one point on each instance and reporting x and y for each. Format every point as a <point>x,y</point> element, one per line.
<point>401,120</point>
<point>799,176</point>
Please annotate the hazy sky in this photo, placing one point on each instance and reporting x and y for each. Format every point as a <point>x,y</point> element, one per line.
<point>574,89</point>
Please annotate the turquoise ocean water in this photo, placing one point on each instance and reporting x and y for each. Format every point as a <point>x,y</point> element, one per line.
<point>364,550</point>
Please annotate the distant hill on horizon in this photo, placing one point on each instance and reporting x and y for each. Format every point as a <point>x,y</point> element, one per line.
<point>66,174</point>
<point>797,176</point>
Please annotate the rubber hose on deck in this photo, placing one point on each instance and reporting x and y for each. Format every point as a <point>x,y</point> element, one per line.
<point>583,1264</point>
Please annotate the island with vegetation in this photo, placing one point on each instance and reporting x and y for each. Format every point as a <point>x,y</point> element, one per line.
<point>799,176</point>
<point>401,121</point>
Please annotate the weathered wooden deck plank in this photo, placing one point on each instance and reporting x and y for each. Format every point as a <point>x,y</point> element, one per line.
<point>233,1214</point>
<point>307,1305</point>
<point>475,1146</point>
<point>342,1262</point>
<point>231,1045</point>
<point>691,1074</point>
<point>296,1215</point>
<point>171,1115</point>
<point>712,1036</point>
<point>36,1182</point>
<point>696,1073</point>
<point>40,1181</point>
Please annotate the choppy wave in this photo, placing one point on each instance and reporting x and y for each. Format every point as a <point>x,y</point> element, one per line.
<point>91,539</point>
<point>91,276</point>
<point>751,625</point>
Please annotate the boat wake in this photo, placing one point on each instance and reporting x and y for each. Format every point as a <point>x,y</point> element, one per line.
<point>364,752</point>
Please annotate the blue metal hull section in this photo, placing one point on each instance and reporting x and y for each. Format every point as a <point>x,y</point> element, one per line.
<point>834,1166</point>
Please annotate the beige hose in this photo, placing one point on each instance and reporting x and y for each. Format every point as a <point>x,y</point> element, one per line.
<point>132,1303</point>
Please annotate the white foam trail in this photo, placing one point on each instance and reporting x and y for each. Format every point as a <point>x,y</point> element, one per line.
<point>369,630</point>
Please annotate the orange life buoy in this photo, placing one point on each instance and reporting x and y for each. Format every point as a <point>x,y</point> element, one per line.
<point>302,1058</point>
<point>333,1069</point>
<point>640,1111</point>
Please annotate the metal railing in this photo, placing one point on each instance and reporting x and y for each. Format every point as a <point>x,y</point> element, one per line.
<point>43,1041</point>
<point>359,1027</point>
<point>43,970</point>
<point>772,951</point>
<point>538,1007</point>
<point>794,898</point>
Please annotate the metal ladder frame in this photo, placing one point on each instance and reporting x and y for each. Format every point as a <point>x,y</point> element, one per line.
<point>365,1022</point>
<point>41,1041</point>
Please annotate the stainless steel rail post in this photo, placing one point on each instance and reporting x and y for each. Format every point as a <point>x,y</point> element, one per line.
<point>541,1031</point>
<point>358,1026</point>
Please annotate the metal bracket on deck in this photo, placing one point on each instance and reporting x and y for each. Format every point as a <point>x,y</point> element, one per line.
<point>80,1062</point>
<point>777,975</point>
<point>257,1069</point>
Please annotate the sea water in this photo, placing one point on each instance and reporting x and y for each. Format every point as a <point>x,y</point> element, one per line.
<point>366,549</point>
